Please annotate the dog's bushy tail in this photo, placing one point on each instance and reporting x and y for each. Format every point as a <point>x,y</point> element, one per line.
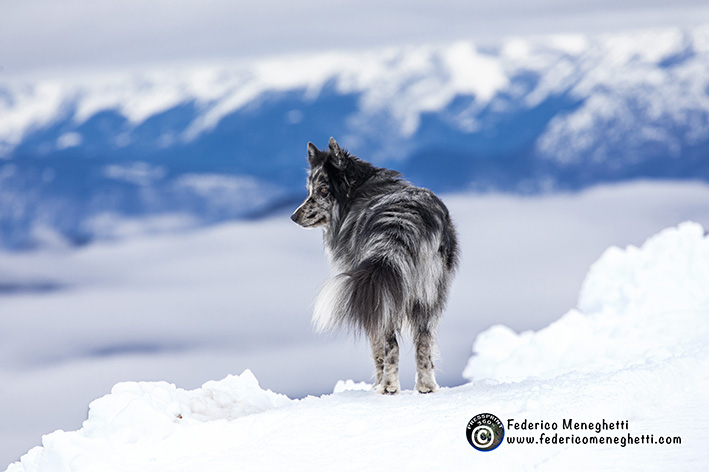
<point>368,298</point>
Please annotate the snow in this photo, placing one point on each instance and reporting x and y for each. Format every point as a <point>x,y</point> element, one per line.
<point>68,140</point>
<point>633,350</point>
<point>139,173</point>
<point>657,68</point>
<point>638,305</point>
<point>349,384</point>
<point>151,426</point>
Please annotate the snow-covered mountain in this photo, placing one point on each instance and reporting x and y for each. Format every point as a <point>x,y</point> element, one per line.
<point>633,354</point>
<point>203,143</point>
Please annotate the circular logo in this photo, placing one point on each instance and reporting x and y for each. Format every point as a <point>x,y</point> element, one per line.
<point>485,432</point>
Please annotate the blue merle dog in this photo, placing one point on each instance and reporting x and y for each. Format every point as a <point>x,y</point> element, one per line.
<point>392,249</point>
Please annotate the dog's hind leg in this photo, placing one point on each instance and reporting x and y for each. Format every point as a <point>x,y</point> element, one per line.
<point>385,350</point>
<point>390,382</point>
<point>424,344</point>
<point>377,343</point>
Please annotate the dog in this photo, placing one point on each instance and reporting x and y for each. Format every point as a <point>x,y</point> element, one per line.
<point>393,251</point>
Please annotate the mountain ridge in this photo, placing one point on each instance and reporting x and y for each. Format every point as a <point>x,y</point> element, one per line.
<point>523,115</point>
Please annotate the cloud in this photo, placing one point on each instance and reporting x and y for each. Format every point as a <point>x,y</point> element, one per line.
<point>90,34</point>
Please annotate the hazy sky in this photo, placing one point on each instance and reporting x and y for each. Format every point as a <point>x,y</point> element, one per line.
<point>46,34</point>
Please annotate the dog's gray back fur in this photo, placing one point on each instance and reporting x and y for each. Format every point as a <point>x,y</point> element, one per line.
<point>392,247</point>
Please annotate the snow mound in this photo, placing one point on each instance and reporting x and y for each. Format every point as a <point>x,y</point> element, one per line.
<point>145,413</point>
<point>637,305</point>
<point>161,406</point>
<point>349,384</point>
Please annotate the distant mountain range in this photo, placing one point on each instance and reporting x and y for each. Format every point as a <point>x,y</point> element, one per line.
<point>100,155</point>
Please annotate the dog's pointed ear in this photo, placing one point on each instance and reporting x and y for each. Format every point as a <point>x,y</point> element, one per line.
<point>313,155</point>
<point>334,147</point>
<point>338,154</point>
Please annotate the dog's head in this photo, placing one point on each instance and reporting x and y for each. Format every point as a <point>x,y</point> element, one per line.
<point>327,181</point>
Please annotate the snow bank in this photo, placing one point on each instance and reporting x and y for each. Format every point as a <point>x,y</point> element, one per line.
<point>159,405</point>
<point>362,430</point>
<point>638,305</point>
<point>142,414</point>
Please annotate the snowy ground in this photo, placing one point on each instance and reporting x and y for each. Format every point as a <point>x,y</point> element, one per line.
<point>192,307</point>
<point>633,352</point>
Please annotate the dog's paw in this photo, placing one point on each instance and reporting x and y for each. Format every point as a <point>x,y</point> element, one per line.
<point>387,388</point>
<point>428,386</point>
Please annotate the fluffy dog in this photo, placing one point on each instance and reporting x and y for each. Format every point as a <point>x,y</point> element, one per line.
<point>393,251</point>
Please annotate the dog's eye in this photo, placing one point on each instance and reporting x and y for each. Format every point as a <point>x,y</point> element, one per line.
<point>324,191</point>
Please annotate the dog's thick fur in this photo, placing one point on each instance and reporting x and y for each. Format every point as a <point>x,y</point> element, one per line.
<point>393,250</point>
